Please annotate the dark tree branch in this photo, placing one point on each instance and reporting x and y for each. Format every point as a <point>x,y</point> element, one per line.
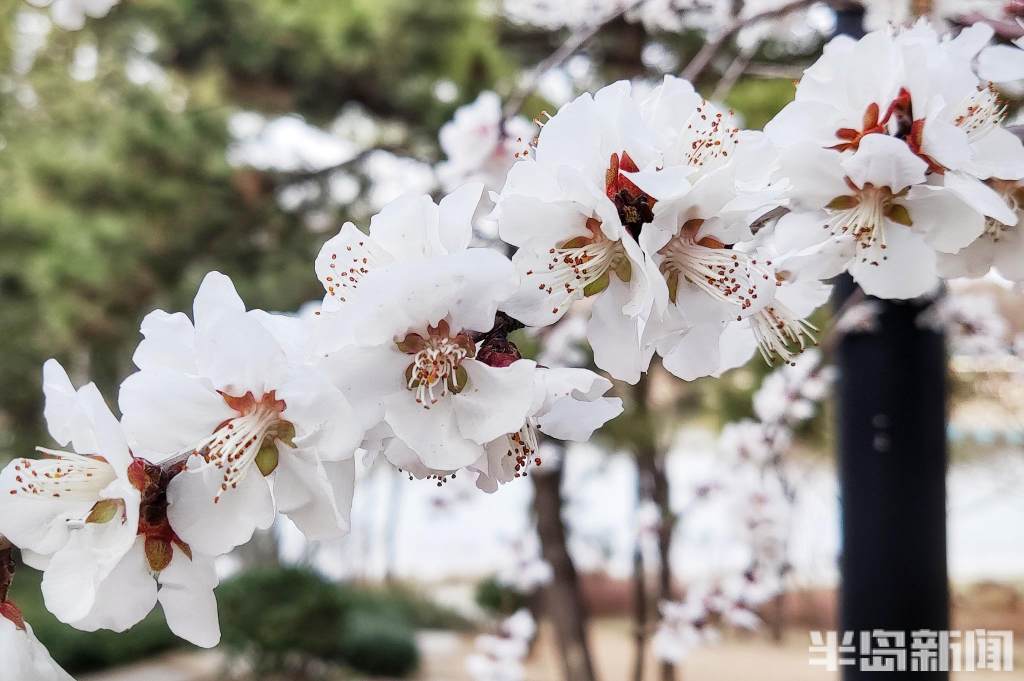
<point>572,44</point>
<point>706,53</point>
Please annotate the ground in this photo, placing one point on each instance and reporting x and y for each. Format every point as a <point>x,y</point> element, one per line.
<point>732,660</point>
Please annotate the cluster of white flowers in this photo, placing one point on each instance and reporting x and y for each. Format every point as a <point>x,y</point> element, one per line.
<point>708,16</point>
<point>526,571</point>
<point>236,415</point>
<point>500,657</point>
<point>899,168</point>
<point>892,164</point>
<point>72,14</point>
<point>753,483</point>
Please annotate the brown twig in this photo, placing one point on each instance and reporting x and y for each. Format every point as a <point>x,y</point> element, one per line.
<point>572,44</point>
<point>6,567</point>
<point>706,53</point>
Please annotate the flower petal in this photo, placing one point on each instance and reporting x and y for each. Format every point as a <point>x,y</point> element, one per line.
<point>496,400</point>
<point>186,596</point>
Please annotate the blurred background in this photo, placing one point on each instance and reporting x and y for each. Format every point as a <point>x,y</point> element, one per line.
<point>146,142</point>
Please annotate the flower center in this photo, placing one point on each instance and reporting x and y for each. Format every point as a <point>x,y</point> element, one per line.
<point>863,216</point>
<point>635,207</point>
<point>436,369</point>
<point>980,113</point>
<point>62,475</point>
<point>580,267</point>
<point>251,437</point>
<point>726,275</point>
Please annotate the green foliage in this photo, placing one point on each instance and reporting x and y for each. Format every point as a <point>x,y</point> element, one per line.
<point>79,651</point>
<point>378,644</point>
<point>758,100</point>
<point>496,598</point>
<point>283,619</point>
<point>272,614</point>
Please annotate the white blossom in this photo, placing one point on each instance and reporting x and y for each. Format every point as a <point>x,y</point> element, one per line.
<point>405,307</point>
<point>22,656</point>
<point>261,427</point>
<point>94,521</point>
<point>479,145</point>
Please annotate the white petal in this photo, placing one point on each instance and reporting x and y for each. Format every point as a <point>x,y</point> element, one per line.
<point>407,228</point>
<point>615,337</point>
<point>186,596</point>
<point>455,216</point>
<point>433,433</point>
<point>216,296</point>
<point>343,262</point>
<point>169,341</point>
<point>576,420</point>
<point>61,406</point>
<point>165,412</point>
<point>523,219</point>
<point>238,354</point>
<point>948,223</point>
<point>322,417</point>
<point>216,528</point>
<point>1001,63</point>
<point>495,400</point>
<point>979,196</point>
<point>908,272</point>
<point>694,353</point>
<point>24,657</point>
<point>315,495</point>
<point>366,375</point>
<point>884,161</point>
<point>125,597</point>
<point>81,584</point>
<point>999,153</point>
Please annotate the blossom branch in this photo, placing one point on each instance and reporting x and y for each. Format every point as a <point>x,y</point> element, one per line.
<point>706,53</point>
<point>572,44</point>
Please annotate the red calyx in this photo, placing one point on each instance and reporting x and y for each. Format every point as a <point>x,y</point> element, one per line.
<point>10,611</point>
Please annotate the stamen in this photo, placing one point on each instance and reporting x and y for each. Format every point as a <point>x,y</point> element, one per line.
<point>63,475</point>
<point>712,134</point>
<point>235,444</point>
<point>981,112</point>
<point>777,330</point>
<point>726,275</point>
<point>863,216</point>
<point>435,370</point>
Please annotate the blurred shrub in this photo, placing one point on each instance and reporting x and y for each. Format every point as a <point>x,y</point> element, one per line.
<point>79,651</point>
<point>402,604</point>
<point>377,644</point>
<point>288,619</point>
<point>274,615</point>
<point>496,598</point>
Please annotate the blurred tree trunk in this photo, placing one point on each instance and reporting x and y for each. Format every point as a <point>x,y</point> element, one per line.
<point>653,485</point>
<point>562,599</point>
<point>639,611</point>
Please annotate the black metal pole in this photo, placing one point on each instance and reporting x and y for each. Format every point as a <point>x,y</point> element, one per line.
<point>892,471</point>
